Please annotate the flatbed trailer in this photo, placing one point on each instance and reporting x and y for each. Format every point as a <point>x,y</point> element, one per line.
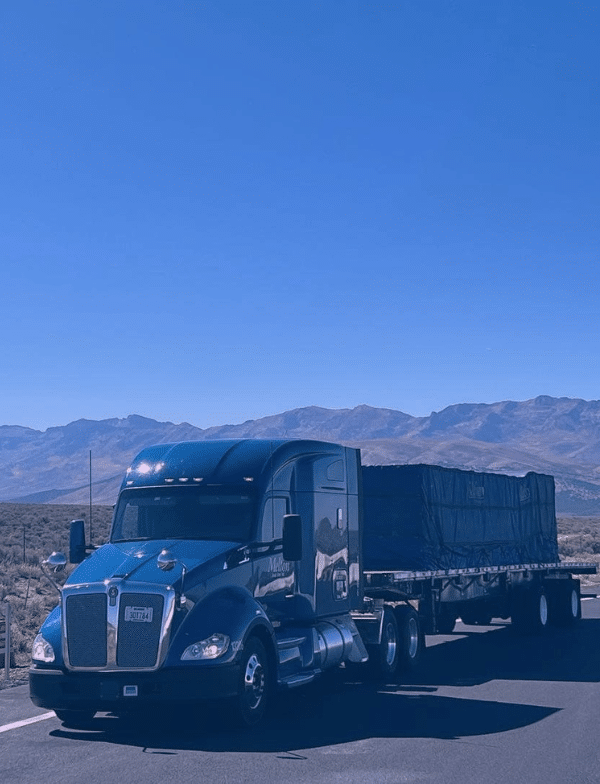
<point>532,594</point>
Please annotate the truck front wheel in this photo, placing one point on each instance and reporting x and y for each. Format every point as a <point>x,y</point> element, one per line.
<point>249,705</point>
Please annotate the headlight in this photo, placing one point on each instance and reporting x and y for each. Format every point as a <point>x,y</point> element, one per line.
<point>41,650</point>
<point>211,648</point>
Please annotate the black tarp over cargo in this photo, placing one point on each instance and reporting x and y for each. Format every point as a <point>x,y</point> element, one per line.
<point>422,517</point>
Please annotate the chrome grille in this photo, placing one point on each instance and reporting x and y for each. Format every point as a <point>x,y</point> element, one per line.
<point>107,628</point>
<point>137,640</point>
<point>86,630</point>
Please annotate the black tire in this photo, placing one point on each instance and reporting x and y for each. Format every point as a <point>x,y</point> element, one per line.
<point>383,658</point>
<point>76,719</point>
<point>530,611</point>
<point>412,641</point>
<point>255,685</point>
<point>565,602</point>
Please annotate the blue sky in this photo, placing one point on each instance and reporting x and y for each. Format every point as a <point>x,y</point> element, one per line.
<point>214,211</point>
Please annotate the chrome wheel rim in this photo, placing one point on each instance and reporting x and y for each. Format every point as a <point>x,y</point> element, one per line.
<point>413,637</point>
<point>391,644</point>
<point>254,681</point>
<point>574,603</point>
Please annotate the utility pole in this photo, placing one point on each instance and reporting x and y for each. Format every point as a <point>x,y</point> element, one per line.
<point>90,497</point>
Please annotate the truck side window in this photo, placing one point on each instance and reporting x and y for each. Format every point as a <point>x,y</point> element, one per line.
<point>133,523</point>
<point>272,524</point>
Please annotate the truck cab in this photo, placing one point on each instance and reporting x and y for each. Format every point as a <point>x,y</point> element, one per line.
<point>232,569</point>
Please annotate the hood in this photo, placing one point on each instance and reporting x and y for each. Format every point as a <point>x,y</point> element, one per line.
<point>137,560</point>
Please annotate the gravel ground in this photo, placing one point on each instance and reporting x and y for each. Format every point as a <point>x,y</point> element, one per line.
<point>18,676</point>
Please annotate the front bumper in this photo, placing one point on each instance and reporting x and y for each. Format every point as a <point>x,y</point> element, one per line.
<point>111,691</point>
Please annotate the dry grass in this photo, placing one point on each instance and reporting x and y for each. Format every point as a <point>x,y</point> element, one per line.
<point>579,540</point>
<point>28,534</point>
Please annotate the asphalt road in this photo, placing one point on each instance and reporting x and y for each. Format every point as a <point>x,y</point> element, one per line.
<point>487,706</point>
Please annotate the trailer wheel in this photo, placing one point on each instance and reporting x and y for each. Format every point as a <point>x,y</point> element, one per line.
<point>565,602</point>
<point>254,688</point>
<point>383,658</point>
<point>75,719</point>
<point>530,610</point>
<point>410,637</point>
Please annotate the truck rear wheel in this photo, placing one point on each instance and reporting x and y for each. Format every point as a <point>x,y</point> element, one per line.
<point>383,658</point>
<point>411,641</point>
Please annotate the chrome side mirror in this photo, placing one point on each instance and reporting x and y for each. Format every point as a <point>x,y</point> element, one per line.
<point>165,560</point>
<point>56,562</point>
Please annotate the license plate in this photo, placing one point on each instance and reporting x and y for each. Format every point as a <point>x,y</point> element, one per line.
<point>139,614</point>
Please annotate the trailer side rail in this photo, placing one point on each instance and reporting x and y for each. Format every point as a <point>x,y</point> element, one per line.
<point>378,578</point>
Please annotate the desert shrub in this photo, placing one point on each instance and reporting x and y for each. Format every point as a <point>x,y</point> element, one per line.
<point>28,534</point>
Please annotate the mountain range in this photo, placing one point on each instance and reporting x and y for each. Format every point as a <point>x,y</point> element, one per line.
<point>558,436</point>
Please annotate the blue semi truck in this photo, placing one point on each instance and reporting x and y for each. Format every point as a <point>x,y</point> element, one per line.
<point>237,568</point>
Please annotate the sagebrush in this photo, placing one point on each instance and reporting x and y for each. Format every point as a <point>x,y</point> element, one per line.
<point>28,534</point>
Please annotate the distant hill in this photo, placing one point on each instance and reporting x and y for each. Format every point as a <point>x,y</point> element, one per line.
<point>560,436</point>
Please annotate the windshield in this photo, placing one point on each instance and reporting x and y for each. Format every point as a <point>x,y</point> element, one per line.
<point>184,513</point>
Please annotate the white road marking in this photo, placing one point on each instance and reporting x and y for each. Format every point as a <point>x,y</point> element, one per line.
<point>16,724</point>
